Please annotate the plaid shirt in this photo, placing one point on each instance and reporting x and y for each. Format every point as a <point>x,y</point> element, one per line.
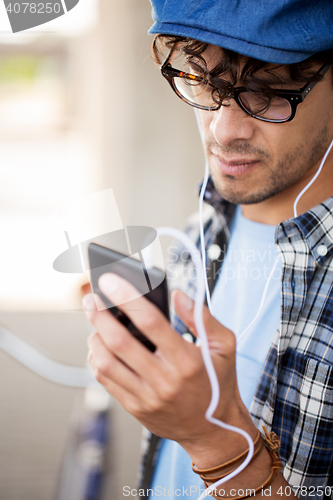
<point>294,396</point>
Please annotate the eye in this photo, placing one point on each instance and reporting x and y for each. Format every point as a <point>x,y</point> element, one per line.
<point>255,102</point>
<point>258,104</point>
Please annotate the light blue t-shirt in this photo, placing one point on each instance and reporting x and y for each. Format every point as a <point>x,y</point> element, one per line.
<point>249,260</point>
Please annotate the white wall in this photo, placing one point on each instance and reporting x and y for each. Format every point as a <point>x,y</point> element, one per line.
<point>151,153</point>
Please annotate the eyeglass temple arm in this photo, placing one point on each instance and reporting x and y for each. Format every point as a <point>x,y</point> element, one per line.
<point>171,55</point>
<point>321,72</point>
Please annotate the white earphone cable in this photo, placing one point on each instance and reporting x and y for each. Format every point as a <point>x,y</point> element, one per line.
<point>198,319</point>
<point>313,178</point>
<point>202,236</point>
<point>202,288</point>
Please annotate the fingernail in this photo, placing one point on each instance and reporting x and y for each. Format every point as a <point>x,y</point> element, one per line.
<point>88,302</point>
<point>185,301</point>
<point>108,283</point>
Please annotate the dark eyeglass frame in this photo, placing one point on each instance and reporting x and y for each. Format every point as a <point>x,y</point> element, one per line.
<point>294,97</point>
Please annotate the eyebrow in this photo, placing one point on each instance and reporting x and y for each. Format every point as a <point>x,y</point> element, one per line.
<point>283,81</point>
<point>266,76</point>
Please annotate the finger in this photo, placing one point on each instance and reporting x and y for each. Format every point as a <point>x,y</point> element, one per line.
<point>89,302</point>
<point>120,341</point>
<point>127,400</point>
<point>126,347</point>
<point>134,396</point>
<point>182,304</point>
<point>145,315</point>
<point>106,365</point>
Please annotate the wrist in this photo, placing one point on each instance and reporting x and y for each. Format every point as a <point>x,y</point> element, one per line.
<point>215,445</point>
<point>260,473</point>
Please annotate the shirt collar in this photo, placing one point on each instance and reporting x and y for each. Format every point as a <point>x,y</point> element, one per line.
<point>213,198</point>
<point>316,225</point>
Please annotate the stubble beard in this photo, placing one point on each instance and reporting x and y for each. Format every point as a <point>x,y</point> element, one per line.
<point>290,169</point>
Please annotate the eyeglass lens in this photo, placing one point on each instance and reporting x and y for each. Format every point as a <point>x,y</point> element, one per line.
<point>279,109</point>
<point>195,92</point>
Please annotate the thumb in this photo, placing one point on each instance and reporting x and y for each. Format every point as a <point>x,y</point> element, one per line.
<point>216,332</point>
<point>184,308</point>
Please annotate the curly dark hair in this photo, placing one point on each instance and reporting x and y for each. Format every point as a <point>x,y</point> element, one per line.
<point>240,69</point>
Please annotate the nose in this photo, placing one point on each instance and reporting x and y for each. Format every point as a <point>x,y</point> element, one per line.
<point>230,123</point>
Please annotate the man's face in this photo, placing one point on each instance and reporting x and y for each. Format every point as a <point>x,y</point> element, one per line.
<point>251,160</point>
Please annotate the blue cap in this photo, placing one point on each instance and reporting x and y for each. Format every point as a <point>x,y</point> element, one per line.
<point>276,31</point>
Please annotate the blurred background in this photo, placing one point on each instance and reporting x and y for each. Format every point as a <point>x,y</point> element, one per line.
<point>83,109</point>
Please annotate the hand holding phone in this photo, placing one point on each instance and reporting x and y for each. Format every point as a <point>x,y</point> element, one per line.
<point>150,282</point>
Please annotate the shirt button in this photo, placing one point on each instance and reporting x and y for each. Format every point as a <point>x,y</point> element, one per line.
<point>214,252</point>
<point>188,337</point>
<point>322,250</point>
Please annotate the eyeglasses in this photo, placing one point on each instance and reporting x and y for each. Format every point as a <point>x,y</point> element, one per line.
<point>198,92</point>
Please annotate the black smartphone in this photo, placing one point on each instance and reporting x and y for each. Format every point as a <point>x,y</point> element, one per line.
<point>151,282</point>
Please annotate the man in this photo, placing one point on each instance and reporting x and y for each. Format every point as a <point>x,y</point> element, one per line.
<point>242,67</point>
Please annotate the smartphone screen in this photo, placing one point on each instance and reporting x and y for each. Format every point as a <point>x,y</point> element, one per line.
<point>151,282</point>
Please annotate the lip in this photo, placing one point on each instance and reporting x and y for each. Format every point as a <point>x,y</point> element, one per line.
<point>236,166</point>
